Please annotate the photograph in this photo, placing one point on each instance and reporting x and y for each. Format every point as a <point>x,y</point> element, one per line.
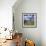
<point>29,20</point>
<point>22,22</point>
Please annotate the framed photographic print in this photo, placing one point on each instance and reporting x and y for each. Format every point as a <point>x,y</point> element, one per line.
<point>29,20</point>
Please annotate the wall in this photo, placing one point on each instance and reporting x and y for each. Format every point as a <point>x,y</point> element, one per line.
<point>6,13</point>
<point>28,6</point>
<point>43,22</point>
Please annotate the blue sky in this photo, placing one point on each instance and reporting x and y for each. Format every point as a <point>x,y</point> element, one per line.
<point>28,17</point>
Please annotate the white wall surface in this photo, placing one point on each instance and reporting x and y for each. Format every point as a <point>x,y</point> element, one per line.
<point>32,6</point>
<point>43,22</point>
<point>6,13</point>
